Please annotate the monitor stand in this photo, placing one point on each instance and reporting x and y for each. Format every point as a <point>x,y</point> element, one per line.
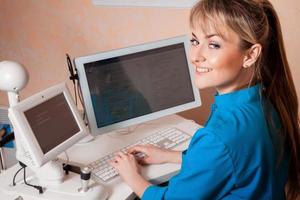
<point>69,189</point>
<point>86,139</point>
<point>56,185</point>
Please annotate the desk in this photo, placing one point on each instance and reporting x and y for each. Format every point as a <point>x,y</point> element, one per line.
<point>105,144</point>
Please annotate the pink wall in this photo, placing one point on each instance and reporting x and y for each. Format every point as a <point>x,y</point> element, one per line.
<point>39,33</point>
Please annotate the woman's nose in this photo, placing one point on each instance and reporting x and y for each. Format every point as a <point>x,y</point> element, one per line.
<point>197,57</point>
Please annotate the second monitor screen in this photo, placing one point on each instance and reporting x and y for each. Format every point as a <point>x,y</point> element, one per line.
<point>133,85</point>
<point>52,122</point>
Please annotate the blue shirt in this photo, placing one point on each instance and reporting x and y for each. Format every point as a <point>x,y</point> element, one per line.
<point>233,157</point>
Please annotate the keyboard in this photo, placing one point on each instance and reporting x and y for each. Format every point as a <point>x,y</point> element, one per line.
<point>101,169</point>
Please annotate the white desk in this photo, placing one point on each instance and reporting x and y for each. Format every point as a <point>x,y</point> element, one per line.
<point>105,144</point>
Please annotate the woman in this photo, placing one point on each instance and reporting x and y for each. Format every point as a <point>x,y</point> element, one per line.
<point>249,147</point>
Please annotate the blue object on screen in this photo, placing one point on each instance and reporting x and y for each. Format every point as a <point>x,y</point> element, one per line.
<point>8,130</point>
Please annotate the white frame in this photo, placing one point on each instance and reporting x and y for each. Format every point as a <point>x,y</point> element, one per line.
<point>80,61</point>
<point>147,3</point>
<point>28,139</point>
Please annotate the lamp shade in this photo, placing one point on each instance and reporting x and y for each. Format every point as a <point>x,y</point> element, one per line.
<point>13,76</point>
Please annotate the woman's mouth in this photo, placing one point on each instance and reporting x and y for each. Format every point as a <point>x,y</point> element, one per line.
<point>203,69</point>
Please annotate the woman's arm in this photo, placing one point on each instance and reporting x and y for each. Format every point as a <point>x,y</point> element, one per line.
<point>139,185</point>
<point>174,157</point>
<point>206,172</point>
<point>128,169</point>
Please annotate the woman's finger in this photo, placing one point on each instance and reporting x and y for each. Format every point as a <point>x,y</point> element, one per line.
<point>131,156</point>
<point>137,148</point>
<point>142,162</point>
<point>120,154</point>
<point>118,158</point>
<point>114,163</point>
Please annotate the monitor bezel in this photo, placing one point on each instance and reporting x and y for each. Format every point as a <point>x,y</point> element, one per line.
<point>29,141</point>
<point>81,61</point>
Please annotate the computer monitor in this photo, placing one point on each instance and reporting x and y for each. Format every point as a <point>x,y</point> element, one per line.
<point>46,124</point>
<point>132,85</point>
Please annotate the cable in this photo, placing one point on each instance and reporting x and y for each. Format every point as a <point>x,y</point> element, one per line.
<point>14,183</point>
<point>23,166</point>
<point>39,188</point>
<point>76,85</point>
<point>75,93</point>
<point>81,101</point>
<point>79,93</point>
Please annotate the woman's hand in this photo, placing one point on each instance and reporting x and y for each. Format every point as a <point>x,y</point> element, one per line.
<point>128,169</point>
<point>155,155</point>
<point>127,166</point>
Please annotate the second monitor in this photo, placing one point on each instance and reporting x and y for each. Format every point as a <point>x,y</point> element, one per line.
<point>132,85</point>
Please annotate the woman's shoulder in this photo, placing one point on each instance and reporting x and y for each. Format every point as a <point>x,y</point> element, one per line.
<point>237,118</point>
<point>237,125</point>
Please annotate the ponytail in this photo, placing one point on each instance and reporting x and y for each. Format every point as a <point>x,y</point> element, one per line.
<point>280,91</point>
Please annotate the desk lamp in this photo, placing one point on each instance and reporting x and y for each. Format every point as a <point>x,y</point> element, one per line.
<point>14,78</point>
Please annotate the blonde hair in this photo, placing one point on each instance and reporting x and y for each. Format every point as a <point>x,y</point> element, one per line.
<point>256,21</point>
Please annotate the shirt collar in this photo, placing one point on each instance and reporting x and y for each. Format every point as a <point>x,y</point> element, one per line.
<point>249,94</point>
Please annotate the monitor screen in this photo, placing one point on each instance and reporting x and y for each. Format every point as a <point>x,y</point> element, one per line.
<point>46,124</point>
<point>126,87</point>
<point>52,122</point>
<point>136,84</point>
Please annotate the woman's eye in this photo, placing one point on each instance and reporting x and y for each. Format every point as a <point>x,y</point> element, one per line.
<point>214,46</point>
<point>194,42</point>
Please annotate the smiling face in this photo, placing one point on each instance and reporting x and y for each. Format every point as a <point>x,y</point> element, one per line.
<point>218,60</point>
